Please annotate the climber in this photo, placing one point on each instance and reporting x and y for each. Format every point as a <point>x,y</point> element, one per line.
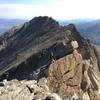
<point>52,57</point>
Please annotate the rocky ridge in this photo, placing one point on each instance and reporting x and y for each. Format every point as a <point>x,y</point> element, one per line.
<point>70,77</point>
<point>43,48</point>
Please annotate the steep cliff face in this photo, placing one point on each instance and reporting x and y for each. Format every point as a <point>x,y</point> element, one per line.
<point>73,75</point>
<point>66,73</point>
<point>43,48</point>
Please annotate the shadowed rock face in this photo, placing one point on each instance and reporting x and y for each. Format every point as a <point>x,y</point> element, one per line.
<point>30,48</point>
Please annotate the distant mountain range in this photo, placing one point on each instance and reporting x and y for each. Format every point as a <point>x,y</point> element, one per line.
<point>88,28</point>
<point>6,24</point>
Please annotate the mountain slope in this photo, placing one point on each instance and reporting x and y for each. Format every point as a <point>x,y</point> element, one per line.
<point>88,28</point>
<point>31,38</point>
<point>41,34</point>
<point>91,30</point>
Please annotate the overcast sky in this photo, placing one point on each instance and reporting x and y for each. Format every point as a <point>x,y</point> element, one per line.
<point>58,9</point>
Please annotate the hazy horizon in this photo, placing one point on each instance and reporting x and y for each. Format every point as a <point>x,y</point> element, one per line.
<point>73,19</point>
<point>58,9</point>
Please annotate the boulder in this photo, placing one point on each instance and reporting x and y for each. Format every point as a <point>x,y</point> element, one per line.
<point>53,96</point>
<point>85,96</point>
<point>74,44</point>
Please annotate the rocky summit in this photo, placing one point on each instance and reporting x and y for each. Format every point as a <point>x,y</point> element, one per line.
<point>42,60</point>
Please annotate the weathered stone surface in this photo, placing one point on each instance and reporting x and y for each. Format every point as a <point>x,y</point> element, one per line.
<point>90,80</point>
<point>15,91</point>
<point>27,90</point>
<point>97,53</point>
<point>66,73</point>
